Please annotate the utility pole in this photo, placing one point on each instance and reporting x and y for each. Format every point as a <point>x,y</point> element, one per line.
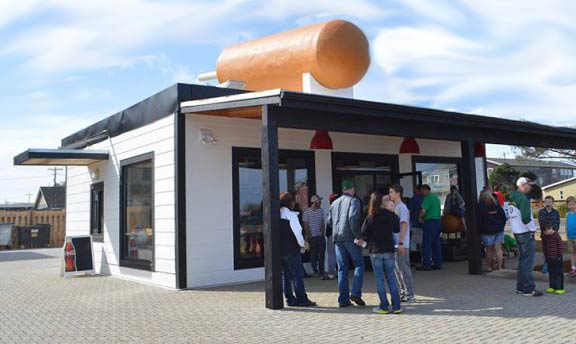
<point>55,171</point>
<point>29,195</point>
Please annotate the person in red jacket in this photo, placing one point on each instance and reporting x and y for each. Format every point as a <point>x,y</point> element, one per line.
<point>553,250</point>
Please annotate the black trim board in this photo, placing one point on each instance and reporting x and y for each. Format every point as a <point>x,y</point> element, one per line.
<point>180,200</point>
<point>59,154</point>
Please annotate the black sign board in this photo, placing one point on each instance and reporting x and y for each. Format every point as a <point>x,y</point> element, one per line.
<point>78,255</point>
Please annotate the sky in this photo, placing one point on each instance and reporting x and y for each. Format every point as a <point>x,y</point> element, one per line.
<point>67,64</point>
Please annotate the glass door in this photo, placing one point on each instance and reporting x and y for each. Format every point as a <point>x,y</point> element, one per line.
<point>369,172</point>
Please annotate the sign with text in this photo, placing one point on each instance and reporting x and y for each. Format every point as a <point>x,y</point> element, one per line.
<point>78,255</point>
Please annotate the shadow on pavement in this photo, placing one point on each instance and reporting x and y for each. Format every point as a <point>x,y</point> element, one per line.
<point>12,256</point>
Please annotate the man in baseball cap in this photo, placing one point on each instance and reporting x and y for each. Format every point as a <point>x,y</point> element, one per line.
<point>523,227</point>
<point>524,181</point>
<point>344,218</point>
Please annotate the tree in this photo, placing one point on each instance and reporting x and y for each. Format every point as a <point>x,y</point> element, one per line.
<point>545,153</point>
<point>503,176</point>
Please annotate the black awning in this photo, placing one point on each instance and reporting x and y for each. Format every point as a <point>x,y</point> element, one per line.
<point>60,157</point>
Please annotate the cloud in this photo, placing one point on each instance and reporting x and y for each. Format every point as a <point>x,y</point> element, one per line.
<point>520,66</point>
<point>104,34</point>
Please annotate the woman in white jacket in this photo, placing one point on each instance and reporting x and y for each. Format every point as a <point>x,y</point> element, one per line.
<point>291,243</point>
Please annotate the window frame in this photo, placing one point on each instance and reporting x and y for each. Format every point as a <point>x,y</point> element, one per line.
<point>309,158</point>
<point>132,263</point>
<point>439,160</point>
<point>98,187</point>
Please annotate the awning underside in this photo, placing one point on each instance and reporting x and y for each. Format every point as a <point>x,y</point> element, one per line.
<point>59,157</point>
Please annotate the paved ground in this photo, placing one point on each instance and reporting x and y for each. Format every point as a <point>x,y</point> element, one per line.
<point>36,305</point>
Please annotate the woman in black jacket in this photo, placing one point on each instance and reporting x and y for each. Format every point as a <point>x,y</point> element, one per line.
<point>491,220</point>
<point>378,231</point>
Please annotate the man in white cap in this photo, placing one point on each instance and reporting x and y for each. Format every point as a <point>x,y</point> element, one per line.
<point>314,225</point>
<point>523,227</point>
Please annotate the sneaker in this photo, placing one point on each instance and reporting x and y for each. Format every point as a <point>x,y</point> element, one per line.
<point>358,300</point>
<point>560,291</point>
<point>411,299</point>
<point>315,274</point>
<point>344,305</point>
<point>534,293</point>
<point>325,277</point>
<point>550,290</point>
<point>379,310</point>
<point>403,298</point>
<point>331,276</point>
<point>398,311</point>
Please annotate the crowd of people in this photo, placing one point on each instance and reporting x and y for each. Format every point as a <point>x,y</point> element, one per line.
<point>385,232</point>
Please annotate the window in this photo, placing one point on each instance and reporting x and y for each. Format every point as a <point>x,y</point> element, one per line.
<point>137,215</point>
<point>440,173</point>
<point>96,211</point>
<point>296,170</point>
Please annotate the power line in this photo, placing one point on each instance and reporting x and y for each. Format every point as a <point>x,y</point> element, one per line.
<point>55,170</point>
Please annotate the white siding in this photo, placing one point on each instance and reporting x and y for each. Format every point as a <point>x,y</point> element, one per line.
<point>210,243</point>
<point>157,137</point>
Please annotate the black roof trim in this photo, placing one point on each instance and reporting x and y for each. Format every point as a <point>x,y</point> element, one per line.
<point>25,157</point>
<point>153,108</point>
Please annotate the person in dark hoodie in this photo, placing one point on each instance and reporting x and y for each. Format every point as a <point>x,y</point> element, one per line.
<point>291,244</point>
<point>378,230</point>
<point>490,221</point>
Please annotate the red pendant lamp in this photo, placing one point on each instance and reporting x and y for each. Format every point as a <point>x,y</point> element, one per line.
<point>479,150</point>
<point>321,140</point>
<point>409,146</point>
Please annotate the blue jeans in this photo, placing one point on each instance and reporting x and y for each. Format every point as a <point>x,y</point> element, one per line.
<point>431,244</point>
<point>383,265</point>
<point>526,245</point>
<point>344,252</point>
<point>292,273</point>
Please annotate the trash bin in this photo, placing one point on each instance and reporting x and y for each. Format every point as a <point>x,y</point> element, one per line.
<point>37,235</point>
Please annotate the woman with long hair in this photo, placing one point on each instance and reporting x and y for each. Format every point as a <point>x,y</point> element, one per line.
<point>491,220</point>
<point>378,230</point>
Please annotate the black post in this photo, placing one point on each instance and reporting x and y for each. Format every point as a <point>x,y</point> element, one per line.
<point>271,203</point>
<point>180,199</point>
<point>470,197</point>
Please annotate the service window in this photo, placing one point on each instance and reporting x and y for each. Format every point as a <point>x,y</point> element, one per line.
<point>97,211</point>
<point>137,212</point>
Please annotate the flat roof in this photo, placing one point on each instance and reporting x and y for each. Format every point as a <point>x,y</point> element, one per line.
<point>59,157</point>
<point>312,111</point>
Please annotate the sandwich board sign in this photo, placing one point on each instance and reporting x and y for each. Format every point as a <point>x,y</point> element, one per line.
<point>78,255</point>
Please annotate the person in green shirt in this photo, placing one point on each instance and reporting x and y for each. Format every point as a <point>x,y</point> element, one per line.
<point>430,213</point>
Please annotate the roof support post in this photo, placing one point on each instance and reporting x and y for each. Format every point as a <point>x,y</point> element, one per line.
<point>271,204</point>
<point>470,197</point>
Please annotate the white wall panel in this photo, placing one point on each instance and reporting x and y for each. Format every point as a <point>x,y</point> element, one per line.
<point>157,137</point>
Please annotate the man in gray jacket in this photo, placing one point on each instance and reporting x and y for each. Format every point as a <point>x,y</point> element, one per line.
<point>344,218</point>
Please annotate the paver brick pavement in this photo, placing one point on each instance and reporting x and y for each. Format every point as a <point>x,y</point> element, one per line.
<point>38,306</point>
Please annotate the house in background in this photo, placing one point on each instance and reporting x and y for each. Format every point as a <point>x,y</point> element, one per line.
<point>49,208</point>
<point>548,172</point>
<point>51,198</point>
<point>560,190</point>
